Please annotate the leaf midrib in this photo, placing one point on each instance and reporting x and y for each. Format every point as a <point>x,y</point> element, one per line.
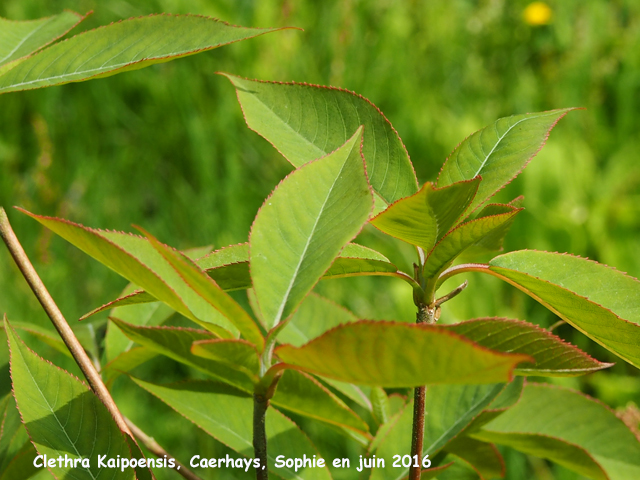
<point>53,413</point>
<point>310,236</point>
<point>33,32</point>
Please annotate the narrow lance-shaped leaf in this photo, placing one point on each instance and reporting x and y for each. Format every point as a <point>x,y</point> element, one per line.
<point>494,240</point>
<point>176,342</point>
<point>54,405</point>
<point>303,225</point>
<point>499,152</point>
<point>544,424</point>
<point>598,300</point>
<point>204,286</point>
<point>460,238</point>
<point>354,260</point>
<point>127,45</point>
<point>424,218</point>
<point>553,357</point>
<point>378,353</point>
<point>230,423</point>
<point>135,259</point>
<point>305,122</point>
<point>19,39</point>
<point>237,354</point>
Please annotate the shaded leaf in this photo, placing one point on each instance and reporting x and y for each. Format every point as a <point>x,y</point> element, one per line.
<point>300,393</point>
<point>460,238</point>
<point>16,451</point>
<point>237,354</point>
<point>53,405</point>
<point>19,39</point>
<point>200,282</point>
<point>499,152</point>
<point>598,300</point>
<point>305,122</point>
<point>125,362</point>
<point>390,354</point>
<point>127,45</point>
<point>175,343</point>
<point>135,259</point>
<point>450,409</point>
<point>569,428</point>
<point>553,357</point>
<point>302,226</point>
<point>484,457</point>
<point>493,241</point>
<point>230,422</point>
<point>315,316</point>
<point>424,218</point>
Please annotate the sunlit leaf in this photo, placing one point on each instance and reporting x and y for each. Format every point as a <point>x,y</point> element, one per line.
<point>553,357</point>
<point>230,422</point>
<point>391,354</point>
<point>303,225</point>
<point>125,362</point>
<point>204,286</point>
<point>499,152</point>
<point>460,238</point>
<point>424,218</point>
<point>305,122</point>
<point>134,258</point>
<point>53,406</point>
<point>127,45</point>
<point>569,428</point>
<point>19,39</point>
<point>598,300</point>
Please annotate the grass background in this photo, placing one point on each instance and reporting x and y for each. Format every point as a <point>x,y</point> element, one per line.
<point>167,148</point>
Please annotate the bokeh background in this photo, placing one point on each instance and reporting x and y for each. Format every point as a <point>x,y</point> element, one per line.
<point>167,148</point>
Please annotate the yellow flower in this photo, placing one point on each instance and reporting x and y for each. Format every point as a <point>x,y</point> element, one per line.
<point>537,13</point>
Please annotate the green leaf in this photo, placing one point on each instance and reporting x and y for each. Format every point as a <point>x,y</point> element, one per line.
<point>450,409</point>
<point>553,357</point>
<point>16,451</point>
<point>125,362</point>
<point>354,260</point>
<point>175,343</point>
<point>458,469</point>
<point>389,354</point>
<point>315,316</point>
<point>300,393</point>
<point>499,152</point>
<point>230,422</point>
<point>305,122</point>
<point>237,354</point>
<point>127,45</point>
<point>424,218</point>
<point>145,315</point>
<point>53,405</point>
<point>50,337</point>
<point>137,260</point>
<point>303,225</point>
<point>200,282</point>
<point>460,238</point>
<point>484,457</point>
<point>569,428</point>
<point>379,404</point>
<point>493,241</point>
<point>19,39</point>
<point>598,300</point>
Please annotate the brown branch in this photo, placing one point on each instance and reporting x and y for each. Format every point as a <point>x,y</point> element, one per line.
<point>158,451</point>
<point>58,320</point>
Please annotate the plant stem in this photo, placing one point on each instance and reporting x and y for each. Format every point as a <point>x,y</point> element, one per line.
<point>260,406</point>
<point>158,451</point>
<point>58,320</point>
<point>426,314</point>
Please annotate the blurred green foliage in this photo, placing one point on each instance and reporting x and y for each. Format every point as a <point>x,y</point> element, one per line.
<point>167,148</point>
